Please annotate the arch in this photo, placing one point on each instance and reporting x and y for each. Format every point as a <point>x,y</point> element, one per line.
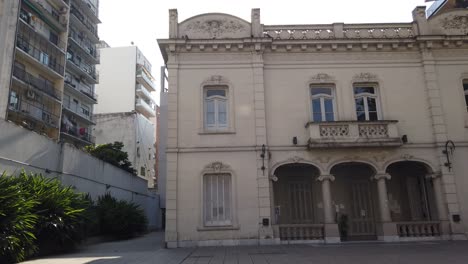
<point>374,167</point>
<point>295,160</point>
<point>429,166</point>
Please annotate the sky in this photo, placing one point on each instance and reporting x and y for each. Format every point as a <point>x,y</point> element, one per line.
<point>144,21</point>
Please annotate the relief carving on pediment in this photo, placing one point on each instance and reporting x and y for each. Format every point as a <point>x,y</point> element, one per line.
<point>214,26</point>
<point>322,78</point>
<point>217,166</point>
<point>456,24</point>
<point>365,77</point>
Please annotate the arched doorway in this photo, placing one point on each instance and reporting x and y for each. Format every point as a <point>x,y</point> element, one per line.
<point>355,200</point>
<point>297,202</point>
<point>410,192</point>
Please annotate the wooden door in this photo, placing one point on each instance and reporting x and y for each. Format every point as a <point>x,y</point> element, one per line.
<point>300,202</point>
<point>361,222</point>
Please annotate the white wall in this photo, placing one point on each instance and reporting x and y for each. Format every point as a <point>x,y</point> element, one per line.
<point>23,149</point>
<point>162,145</point>
<point>117,73</point>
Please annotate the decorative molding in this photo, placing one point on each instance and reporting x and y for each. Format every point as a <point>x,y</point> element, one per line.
<point>295,159</point>
<point>322,78</point>
<point>217,167</point>
<point>365,77</point>
<point>384,176</point>
<point>326,177</point>
<point>455,23</point>
<point>434,175</point>
<point>216,80</point>
<point>324,159</point>
<point>215,27</point>
<point>407,157</point>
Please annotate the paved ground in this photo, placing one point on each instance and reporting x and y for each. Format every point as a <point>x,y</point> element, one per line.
<point>149,249</point>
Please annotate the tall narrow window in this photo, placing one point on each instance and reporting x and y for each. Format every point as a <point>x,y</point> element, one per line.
<point>216,108</point>
<point>217,199</point>
<point>366,100</point>
<point>465,90</point>
<point>323,108</point>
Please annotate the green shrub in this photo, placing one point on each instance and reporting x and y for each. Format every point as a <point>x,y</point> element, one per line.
<point>120,219</point>
<point>17,221</point>
<point>60,212</point>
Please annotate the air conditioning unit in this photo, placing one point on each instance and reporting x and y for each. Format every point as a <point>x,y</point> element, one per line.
<point>30,94</point>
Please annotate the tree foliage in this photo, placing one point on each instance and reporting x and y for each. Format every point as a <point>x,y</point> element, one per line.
<point>113,154</point>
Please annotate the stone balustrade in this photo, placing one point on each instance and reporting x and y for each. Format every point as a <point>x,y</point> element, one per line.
<point>301,232</point>
<point>418,229</point>
<point>353,134</point>
<point>340,31</point>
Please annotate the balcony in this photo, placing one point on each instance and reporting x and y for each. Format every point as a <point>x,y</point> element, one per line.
<point>56,19</point>
<point>89,9</point>
<point>27,29</point>
<point>76,134</point>
<point>42,85</point>
<point>145,108</point>
<point>79,20</point>
<point>27,110</point>
<point>143,92</point>
<point>82,91</point>
<point>80,67</point>
<point>76,110</point>
<point>46,56</point>
<point>144,79</point>
<point>342,134</point>
<point>89,51</point>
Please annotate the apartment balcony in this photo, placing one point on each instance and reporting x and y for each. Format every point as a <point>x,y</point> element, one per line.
<point>77,112</point>
<point>144,79</point>
<point>25,80</point>
<point>88,9</point>
<point>89,51</point>
<point>56,19</point>
<point>81,68</point>
<point>78,20</point>
<point>341,134</point>
<point>44,56</point>
<point>145,108</point>
<point>83,92</point>
<point>76,135</point>
<point>143,92</point>
<point>25,110</point>
<point>27,29</point>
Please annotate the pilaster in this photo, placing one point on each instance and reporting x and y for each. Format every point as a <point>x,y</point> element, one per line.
<point>332,234</point>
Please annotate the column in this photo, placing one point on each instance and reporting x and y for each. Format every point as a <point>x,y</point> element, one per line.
<point>331,233</point>
<point>439,196</point>
<point>383,196</point>
<point>386,229</point>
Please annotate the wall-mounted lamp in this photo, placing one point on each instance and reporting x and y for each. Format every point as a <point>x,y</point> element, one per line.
<point>295,140</point>
<point>404,139</point>
<point>448,151</point>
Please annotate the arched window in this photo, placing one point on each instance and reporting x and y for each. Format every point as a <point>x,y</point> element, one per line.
<point>216,108</point>
<point>367,103</point>
<point>323,103</point>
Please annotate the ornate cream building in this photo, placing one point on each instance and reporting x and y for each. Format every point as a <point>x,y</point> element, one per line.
<point>316,133</point>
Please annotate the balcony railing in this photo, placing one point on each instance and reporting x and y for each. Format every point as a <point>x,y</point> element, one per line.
<point>41,85</point>
<point>34,112</point>
<point>83,89</point>
<point>89,9</point>
<point>76,133</point>
<point>76,108</point>
<point>29,30</point>
<point>88,69</point>
<point>142,91</point>
<point>145,80</point>
<point>419,229</point>
<point>44,53</point>
<point>49,14</point>
<point>145,108</point>
<point>92,28</point>
<point>301,232</point>
<point>353,134</point>
<point>88,49</point>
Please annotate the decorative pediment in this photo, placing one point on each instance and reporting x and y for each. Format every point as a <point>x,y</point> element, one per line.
<point>322,78</point>
<point>365,77</point>
<point>214,26</point>
<point>216,80</point>
<point>295,159</point>
<point>217,167</point>
<point>450,23</point>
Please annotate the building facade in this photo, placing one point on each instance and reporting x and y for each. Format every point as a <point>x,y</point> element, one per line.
<point>318,133</point>
<point>126,108</point>
<point>43,37</point>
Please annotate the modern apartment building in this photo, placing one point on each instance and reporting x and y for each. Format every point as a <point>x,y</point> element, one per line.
<point>51,89</point>
<point>316,133</point>
<point>126,107</point>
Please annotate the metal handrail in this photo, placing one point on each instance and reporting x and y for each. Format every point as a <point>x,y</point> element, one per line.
<point>38,113</point>
<point>75,108</point>
<point>92,51</point>
<point>84,67</point>
<point>88,91</point>
<point>42,85</point>
<point>73,131</point>
<point>81,18</point>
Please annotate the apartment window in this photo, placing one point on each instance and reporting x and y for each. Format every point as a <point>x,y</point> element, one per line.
<point>367,103</point>
<point>465,90</point>
<point>14,101</point>
<point>217,199</point>
<point>216,108</point>
<point>323,105</point>
<point>142,171</point>
<point>85,110</point>
<point>138,152</point>
<point>53,38</point>
<point>44,58</point>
